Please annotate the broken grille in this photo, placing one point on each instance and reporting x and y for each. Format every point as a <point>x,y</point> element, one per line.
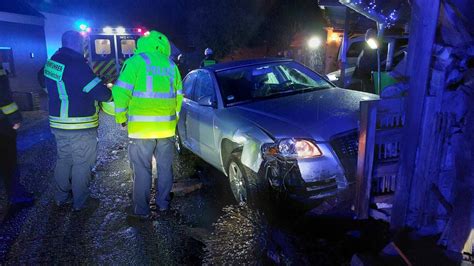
<point>346,147</point>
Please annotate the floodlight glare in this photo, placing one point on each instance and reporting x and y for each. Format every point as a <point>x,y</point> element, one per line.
<point>373,43</point>
<point>371,39</point>
<point>314,42</point>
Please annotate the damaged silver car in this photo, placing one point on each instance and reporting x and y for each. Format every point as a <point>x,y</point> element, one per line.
<point>272,125</point>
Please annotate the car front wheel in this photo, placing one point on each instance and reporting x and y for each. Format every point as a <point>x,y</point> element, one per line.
<point>238,181</point>
<point>246,185</point>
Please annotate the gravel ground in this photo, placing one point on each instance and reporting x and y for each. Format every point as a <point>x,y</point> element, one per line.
<point>203,227</point>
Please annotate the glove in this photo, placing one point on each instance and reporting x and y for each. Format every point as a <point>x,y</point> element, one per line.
<point>123,126</point>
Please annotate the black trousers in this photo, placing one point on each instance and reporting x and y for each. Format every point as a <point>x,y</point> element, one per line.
<point>9,171</point>
<point>8,160</point>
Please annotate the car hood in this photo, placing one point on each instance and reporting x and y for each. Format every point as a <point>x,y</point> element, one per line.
<point>317,115</point>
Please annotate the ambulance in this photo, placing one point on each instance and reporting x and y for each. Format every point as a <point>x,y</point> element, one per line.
<point>106,50</point>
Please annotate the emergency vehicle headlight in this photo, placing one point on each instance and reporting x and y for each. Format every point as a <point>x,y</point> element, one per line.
<point>120,30</point>
<point>107,30</point>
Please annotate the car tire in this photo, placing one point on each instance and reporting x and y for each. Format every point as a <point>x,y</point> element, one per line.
<point>246,186</point>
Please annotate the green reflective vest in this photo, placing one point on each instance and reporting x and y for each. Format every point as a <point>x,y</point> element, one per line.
<point>148,96</point>
<point>209,62</point>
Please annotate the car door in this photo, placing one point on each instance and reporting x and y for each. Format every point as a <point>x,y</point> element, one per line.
<point>201,124</point>
<point>186,108</point>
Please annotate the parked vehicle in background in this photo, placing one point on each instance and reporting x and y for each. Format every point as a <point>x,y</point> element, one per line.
<point>272,125</point>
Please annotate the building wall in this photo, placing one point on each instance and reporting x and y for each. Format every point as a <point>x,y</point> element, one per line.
<point>54,26</point>
<point>29,53</point>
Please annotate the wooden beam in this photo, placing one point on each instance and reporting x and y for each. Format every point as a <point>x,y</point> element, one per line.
<point>365,158</point>
<point>423,23</point>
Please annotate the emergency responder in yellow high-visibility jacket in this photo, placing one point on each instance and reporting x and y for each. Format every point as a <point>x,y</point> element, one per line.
<point>10,119</point>
<point>148,97</point>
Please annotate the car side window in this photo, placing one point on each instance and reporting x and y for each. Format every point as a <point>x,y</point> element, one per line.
<point>203,86</point>
<point>188,85</point>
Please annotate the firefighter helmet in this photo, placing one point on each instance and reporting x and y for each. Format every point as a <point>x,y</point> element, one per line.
<point>208,51</point>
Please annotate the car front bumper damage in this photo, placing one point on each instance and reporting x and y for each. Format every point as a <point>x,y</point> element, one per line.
<point>303,180</point>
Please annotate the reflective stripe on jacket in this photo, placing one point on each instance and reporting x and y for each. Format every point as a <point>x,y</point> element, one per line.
<point>148,94</point>
<point>9,111</point>
<point>74,91</point>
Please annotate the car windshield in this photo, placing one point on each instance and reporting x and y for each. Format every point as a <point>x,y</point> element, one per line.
<point>241,85</point>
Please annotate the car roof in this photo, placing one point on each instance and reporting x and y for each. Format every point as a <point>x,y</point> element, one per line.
<point>244,63</point>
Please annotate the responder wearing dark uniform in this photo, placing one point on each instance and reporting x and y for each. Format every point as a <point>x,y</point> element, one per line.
<point>74,91</point>
<point>183,65</point>
<point>10,119</point>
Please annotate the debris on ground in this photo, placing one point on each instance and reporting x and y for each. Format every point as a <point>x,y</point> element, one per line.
<point>183,187</point>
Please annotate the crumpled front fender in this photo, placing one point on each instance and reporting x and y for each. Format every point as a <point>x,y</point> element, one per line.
<point>251,139</point>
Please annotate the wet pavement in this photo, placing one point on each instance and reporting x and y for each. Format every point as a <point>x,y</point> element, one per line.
<point>204,226</point>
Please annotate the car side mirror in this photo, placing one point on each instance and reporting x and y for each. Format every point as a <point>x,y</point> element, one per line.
<point>207,101</point>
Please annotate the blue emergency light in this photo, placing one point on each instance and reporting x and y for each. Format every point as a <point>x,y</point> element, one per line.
<point>82,25</point>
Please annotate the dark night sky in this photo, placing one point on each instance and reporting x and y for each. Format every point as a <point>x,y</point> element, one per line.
<point>170,16</point>
<point>160,14</point>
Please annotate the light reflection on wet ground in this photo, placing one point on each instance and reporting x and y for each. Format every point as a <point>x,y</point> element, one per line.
<point>204,226</point>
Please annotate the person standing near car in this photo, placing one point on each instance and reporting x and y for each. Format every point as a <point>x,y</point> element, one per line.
<point>209,58</point>
<point>183,65</point>
<point>73,91</point>
<point>10,121</point>
<point>148,97</point>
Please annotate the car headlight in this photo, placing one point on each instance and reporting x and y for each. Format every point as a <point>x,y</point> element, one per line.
<point>294,148</point>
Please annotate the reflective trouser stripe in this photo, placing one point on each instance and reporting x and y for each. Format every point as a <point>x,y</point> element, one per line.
<point>74,126</point>
<point>64,99</point>
<point>180,92</point>
<point>9,108</point>
<point>142,118</point>
<point>91,85</point>
<point>69,120</point>
<point>124,85</point>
